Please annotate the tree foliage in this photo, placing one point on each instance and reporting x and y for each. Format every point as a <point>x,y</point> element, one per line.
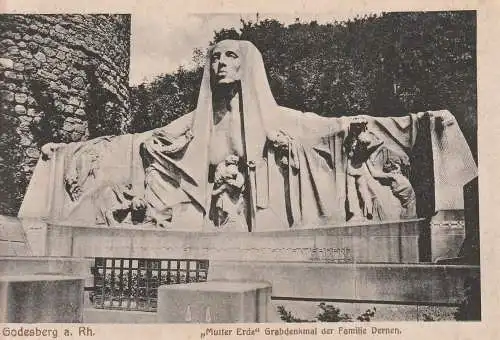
<point>166,98</point>
<point>383,65</point>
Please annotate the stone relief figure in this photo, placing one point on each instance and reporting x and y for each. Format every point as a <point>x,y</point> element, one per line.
<point>118,203</point>
<point>284,149</point>
<point>400,186</point>
<point>82,168</point>
<point>228,204</point>
<point>160,204</point>
<point>360,145</point>
<point>240,161</point>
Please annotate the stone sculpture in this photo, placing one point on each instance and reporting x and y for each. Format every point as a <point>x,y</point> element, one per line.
<point>240,162</point>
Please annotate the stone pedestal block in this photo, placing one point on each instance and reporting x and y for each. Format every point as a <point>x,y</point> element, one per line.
<point>41,298</point>
<point>390,242</point>
<point>448,233</point>
<point>214,302</point>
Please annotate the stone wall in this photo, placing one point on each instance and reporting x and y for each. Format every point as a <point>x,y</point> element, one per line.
<point>63,78</point>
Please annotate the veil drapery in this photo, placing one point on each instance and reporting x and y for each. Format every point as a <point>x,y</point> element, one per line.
<point>260,115</point>
<point>314,187</point>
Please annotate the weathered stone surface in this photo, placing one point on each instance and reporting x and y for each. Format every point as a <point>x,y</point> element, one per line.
<point>64,48</point>
<point>76,136</point>
<point>10,86</point>
<point>33,46</point>
<point>32,113</point>
<point>25,140</point>
<point>38,39</point>
<point>214,302</point>
<point>21,98</point>
<point>42,298</point>
<point>59,105</point>
<point>24,126</point>
<point>61,66</point>
<point>69,109</point>
<point>68,126</point>
<point>34,50</point>
<point>8,96</point>
<point>80,112</point>
<point>78,83</point>
<point>49,52</point>
<point>19,67</point>
<point>40,57</point>
<point>8,42</point>
<point>13,50</point>
<point>6,63</point>
<point>60,29</point>
<point>47,75</point>
<point>74,101</point>
<point>80,128</point>
<point>25,119</point>
<point>10,74</point>
<point>20,109</point>
<point>61,55</point>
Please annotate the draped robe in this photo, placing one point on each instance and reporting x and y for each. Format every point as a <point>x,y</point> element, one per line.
<point>312,189</point>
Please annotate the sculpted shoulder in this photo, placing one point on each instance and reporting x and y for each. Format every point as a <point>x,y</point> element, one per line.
<point>309,125</point>
<point>175,128</point>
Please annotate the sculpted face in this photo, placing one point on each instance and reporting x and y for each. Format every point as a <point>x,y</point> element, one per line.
<point>225,62</point>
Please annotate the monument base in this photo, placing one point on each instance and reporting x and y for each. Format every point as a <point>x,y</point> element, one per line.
<point>388,242</point>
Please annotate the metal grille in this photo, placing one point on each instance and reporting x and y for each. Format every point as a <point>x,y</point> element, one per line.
<point>132,283</point>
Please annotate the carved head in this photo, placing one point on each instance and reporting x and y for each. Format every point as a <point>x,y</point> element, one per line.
<point>278,138</point>
<point>225,62</point>
<point>232,160</point>
<point>232,171</point>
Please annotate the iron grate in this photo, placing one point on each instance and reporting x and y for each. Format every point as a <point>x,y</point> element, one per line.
<point>132,283</point>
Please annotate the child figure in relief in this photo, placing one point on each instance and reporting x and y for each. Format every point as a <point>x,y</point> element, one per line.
<point>400,186</point>
<point>228,204</point>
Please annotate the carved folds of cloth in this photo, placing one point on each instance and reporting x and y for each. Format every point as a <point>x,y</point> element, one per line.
<point>378,178</point>
<point>343,169</point>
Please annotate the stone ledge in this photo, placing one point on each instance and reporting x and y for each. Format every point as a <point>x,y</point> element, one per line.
<point>407,283</point>
<point>17,265</point>
<point>375,242</point>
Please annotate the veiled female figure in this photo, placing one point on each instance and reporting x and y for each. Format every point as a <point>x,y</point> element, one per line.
<point>241,162</point>
<point>237,118</point>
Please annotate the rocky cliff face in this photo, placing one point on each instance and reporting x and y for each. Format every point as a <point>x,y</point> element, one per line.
<point>63,78</point>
